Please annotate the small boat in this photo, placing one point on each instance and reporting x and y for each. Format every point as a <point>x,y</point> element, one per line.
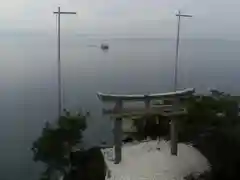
<point>104,46</point>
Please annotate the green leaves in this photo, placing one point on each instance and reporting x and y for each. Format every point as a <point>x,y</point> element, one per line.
<point>55,143</point>
<point>207,112</point>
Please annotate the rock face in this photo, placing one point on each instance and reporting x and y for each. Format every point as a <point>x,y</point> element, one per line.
<point>95,163</point>
<point>88,165</point>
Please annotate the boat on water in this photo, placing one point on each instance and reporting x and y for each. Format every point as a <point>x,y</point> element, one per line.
<point>104,46</point>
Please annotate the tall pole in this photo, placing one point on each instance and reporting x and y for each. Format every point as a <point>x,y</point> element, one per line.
<point>179,15</point>
<point>59,66</point>
<point>176,56</point>
<point>173,128</point>
<point>60,103</point>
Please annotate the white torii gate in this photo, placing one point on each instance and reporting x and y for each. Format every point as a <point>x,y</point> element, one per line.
<point>119,112</point>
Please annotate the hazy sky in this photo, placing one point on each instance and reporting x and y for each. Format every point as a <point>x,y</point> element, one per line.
<point>212,18</point>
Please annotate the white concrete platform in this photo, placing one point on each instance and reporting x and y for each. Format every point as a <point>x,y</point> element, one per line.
<point>152,160</point>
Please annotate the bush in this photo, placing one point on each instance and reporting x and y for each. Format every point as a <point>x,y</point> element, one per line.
<point>151,126</point>
<point>54,145</point>
<point>213,126</point>
<point>207,113</point>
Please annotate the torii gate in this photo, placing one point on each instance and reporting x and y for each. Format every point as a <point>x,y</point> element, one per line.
<point>119,111</point>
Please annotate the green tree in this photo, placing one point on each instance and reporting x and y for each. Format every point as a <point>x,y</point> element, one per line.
<point>212,125</point>
<point>208,112</point>
<point>54,145</point>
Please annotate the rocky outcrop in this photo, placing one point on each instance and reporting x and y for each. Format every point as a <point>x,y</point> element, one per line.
<point>88,165</point>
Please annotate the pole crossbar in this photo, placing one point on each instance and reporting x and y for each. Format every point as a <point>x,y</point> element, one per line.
<point>60,103</point>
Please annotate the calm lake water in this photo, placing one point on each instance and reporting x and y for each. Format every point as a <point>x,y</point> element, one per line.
<point>29,88</point>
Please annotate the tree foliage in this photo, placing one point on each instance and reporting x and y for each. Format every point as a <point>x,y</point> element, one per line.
<point>207,113</point>
<point>212,125</point>
<point>151,126</point>
<point>57,140</point>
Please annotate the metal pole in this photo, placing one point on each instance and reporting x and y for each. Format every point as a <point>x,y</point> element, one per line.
<point>60,101</point>
<point>173,120</point>
<point>179,15</point>
<point>174,130</point>
<point>59,68</point>
<point>177,50</point>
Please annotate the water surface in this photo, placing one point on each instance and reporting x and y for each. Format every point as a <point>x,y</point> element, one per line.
<point>29,83</point>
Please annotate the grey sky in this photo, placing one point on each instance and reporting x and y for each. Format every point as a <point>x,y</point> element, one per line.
<point>212,18</point>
